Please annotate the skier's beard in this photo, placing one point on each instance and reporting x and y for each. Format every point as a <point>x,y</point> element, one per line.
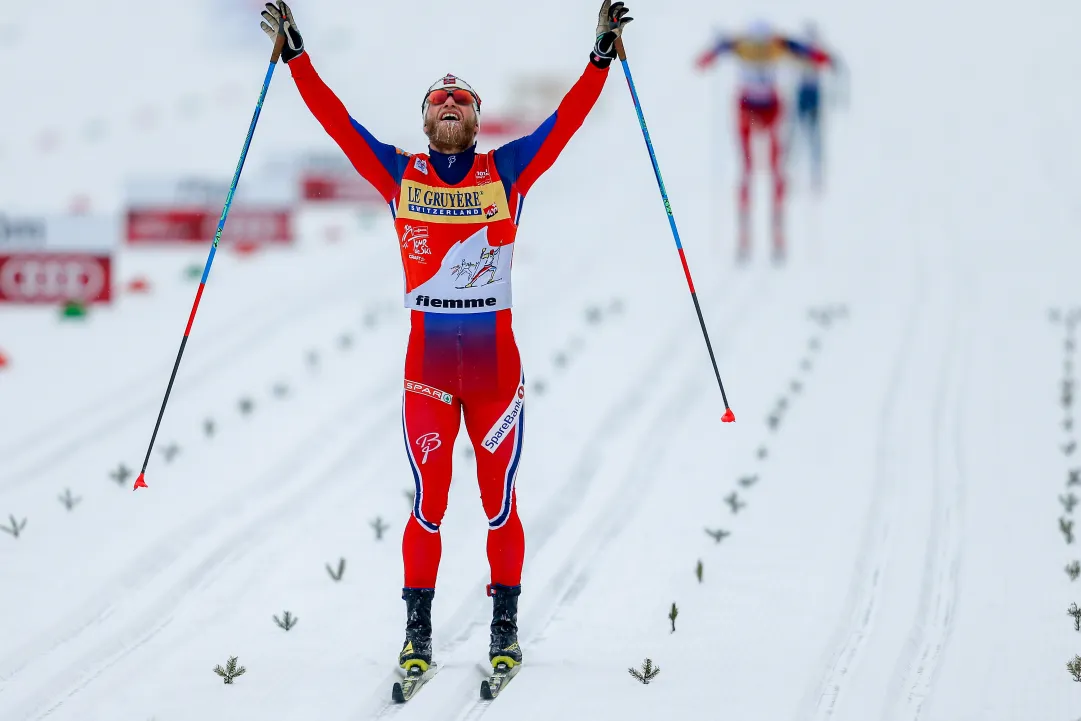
<point>448,136</point>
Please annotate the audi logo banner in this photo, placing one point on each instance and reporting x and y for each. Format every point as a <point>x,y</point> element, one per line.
<point>55,278</point>
<point>53,259</point>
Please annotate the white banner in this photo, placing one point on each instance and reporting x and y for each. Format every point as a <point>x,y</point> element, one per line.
<point>93,234</point>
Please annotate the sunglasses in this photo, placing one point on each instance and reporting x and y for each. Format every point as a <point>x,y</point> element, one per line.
<point>461,97</point>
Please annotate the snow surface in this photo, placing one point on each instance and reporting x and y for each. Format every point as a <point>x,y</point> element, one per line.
<point>899,554</point>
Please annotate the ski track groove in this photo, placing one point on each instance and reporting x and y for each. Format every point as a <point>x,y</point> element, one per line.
<point>158,560</point>
<point>82,429</point>
<point>559,591</point>
<point>865,589</point>
<point>918,663</point>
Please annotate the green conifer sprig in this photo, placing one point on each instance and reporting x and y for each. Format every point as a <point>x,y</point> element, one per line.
<point>341,570</point>
<point>231,670</point>
<point>287,621</point>
<point>648,672</point>
<point>16,527</point>
<point>1074,667</point>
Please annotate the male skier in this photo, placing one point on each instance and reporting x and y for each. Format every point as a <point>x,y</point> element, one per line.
<point>760,109</point>
<point>455,209</point>
<point>808,100</point>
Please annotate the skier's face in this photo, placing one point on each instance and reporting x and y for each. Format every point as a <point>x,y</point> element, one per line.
<point>451,126</point>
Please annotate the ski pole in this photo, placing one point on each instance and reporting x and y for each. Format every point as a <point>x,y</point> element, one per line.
<point>279,43</point>
<point>728,416</point>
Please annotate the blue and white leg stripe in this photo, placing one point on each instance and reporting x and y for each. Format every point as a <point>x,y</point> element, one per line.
<point>419,494</point>
<point>512,472</point>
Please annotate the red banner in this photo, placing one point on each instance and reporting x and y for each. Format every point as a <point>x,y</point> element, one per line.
<point>334,187</point>
<point>55,278</point>
<point>163,225</point>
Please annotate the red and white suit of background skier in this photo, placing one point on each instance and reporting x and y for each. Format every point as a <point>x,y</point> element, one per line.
<point>760,110</point>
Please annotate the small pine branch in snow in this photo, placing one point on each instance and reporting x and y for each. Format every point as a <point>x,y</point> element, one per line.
<point>748,481</point>
<point>1068,502</point>
<point>208,427</point>
<point>341,569</point>
<point>698,570</point>
<point>120,475</point>
<point>762,452</point>
<point>230,671</point>
<point>345,341</point>
<point>1069,448</point>
<point>1074,667</point>
<point>378,526</point>
<point>1075,477</point>
<point>68,500</point>
<point>1066,526</point>
<point>287,621</point>
<point>313,358</point>
<point>718,535</point>
<point>170,451</point>
<point>732,499</point>
<point>1067,424</point>
<point>280,390</point>
<point>773,421</point>
<point>1073,570</point>
<point>648,672</point>
<point>410,494</point>
<point>1074,611</point>
<point>245,405</point>
<point>795,386</point>
<point>672,616</point>
<point>16,527</point>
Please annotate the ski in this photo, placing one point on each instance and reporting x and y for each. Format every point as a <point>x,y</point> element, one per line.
<point>497,680</point>
<point>414,680</point>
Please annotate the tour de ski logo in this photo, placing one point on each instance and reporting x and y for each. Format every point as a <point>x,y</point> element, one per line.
<point>483,271</point>
<point>417,236</point>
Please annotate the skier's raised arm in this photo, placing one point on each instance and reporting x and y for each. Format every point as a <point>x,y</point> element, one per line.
<point>380,164</point>
<point>524,160</point>
<point>721,47</point>
<point>804,51</point>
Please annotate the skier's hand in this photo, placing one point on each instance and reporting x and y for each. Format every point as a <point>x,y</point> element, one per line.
<point>610,23</point>
<point>272,17</point>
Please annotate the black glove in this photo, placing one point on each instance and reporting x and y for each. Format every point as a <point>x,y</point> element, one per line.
<point>272,16</point>
<point>610,23</point>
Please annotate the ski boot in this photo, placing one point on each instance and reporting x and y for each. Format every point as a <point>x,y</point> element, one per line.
<point>504,648</point>
<point>417,649</point>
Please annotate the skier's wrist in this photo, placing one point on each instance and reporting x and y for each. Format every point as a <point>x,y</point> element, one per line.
<point>604,50</point>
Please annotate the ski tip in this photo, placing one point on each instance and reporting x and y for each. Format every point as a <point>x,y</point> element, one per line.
<point>140,482</point>
<point>728,417</point>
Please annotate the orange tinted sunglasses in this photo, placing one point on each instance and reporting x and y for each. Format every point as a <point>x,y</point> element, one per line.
<point>461,97</point>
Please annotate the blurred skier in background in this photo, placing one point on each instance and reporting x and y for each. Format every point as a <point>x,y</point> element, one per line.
<point>456,214</point>
<point>760,111</point>
<point>807,123</point>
